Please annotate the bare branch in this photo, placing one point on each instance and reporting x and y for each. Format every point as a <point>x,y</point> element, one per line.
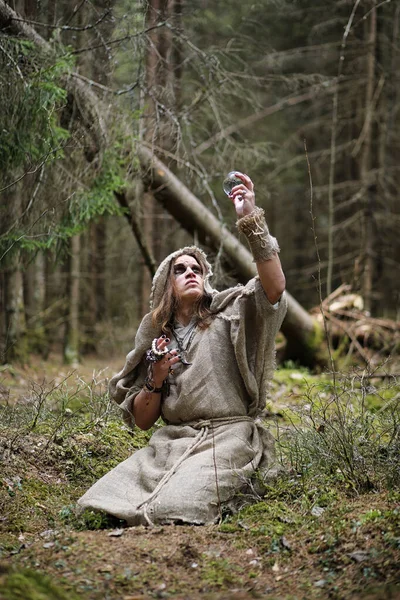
<point>66,27</point>
<point>117,40</point>
<point>250,120</point>
<point>140,238</point>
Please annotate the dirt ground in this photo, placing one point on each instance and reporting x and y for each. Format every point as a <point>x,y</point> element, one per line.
<point>185,562</point>
<point>349,549</point>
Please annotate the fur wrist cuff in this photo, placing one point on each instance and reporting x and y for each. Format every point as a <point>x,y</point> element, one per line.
<point>262,245</point>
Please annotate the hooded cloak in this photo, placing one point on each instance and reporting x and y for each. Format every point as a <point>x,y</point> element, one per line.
<point>213,441</point>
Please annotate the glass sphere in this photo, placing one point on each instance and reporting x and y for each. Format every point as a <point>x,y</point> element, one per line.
<point>230,181</point>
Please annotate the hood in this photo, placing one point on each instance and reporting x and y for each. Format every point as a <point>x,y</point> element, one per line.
<point>161,276</point>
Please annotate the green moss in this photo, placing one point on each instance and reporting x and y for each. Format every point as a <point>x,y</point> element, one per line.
<point>394,496</point>
<point>31,504</point>
<point>219,572</point>
<point>89,519</point>
<point>88,456</point>
<point>316,337</point>
<point>324,497</point>
<point>266,518</point>
<point>9,545</point>
<point>314,350</point>
<point>67,466</point>
<point>26,584</point>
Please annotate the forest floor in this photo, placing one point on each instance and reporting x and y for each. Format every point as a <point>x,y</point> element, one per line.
<point>309,537</point>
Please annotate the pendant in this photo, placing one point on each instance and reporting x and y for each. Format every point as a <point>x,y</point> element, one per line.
<point>184,362</point>
<point>180,342</point>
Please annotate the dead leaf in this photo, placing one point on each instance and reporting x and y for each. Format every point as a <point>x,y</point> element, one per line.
<point>105,569</point>
<point>255,562</point>
<point>359,556</point>
<point>317,511</point>
<point>48,533</point>
<point>285,543</point>
<point>116,533</point>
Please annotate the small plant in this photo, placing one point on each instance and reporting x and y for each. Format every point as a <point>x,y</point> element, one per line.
<point>88,519</point>
<point>56,410</point>
<point>335,436</point>
<point>54,444</point>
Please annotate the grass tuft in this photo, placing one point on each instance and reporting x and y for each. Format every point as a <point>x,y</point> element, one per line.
<point>345,435</point>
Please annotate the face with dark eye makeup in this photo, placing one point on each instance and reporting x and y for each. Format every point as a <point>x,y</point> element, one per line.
<point>187,279</point>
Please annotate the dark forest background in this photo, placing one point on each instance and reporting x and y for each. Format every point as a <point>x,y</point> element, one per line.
<point>303,96</point>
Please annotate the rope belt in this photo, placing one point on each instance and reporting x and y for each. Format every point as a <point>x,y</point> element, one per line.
<point>203,427</point>
<point>217,422</point>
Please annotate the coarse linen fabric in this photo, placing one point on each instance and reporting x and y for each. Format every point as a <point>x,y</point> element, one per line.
<point>213,442</point>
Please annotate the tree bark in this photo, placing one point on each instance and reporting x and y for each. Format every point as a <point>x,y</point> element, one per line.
<point>156,125</point>
<point>71,342</point>
<point>29,277</point>
<point>14,313</point>
<point>13,323</point>
<point>94,307</point>
<point>365,166</point>
<point>90,310</point>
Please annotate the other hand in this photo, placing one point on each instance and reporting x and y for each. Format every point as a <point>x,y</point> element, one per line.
<point>163,367</point>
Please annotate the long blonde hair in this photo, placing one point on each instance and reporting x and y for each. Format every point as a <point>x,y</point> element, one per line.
<point>163,314</point>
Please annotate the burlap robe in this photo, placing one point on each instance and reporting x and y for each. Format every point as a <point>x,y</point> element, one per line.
<point>211,444</point>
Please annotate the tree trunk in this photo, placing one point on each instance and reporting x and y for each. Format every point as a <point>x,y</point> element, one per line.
<point>34,297</point>
<point>13,324</point>
<point>95,304</point>
<point>160,80</point>
<point>29,277</point>
<point>148,131</point>
<point>13,346</point>
<point>100,269</point>
<point>89,293</point>
<point>71,342</point>
<point>304,335</point>
<point>365,166</point>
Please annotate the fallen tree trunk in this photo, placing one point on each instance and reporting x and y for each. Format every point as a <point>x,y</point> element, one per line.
<point>303,333</point>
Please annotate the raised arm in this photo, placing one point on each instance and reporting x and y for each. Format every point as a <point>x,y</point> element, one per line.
<point>251,222</point>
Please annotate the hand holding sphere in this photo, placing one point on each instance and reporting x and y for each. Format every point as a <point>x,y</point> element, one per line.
<point>240,189</point>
